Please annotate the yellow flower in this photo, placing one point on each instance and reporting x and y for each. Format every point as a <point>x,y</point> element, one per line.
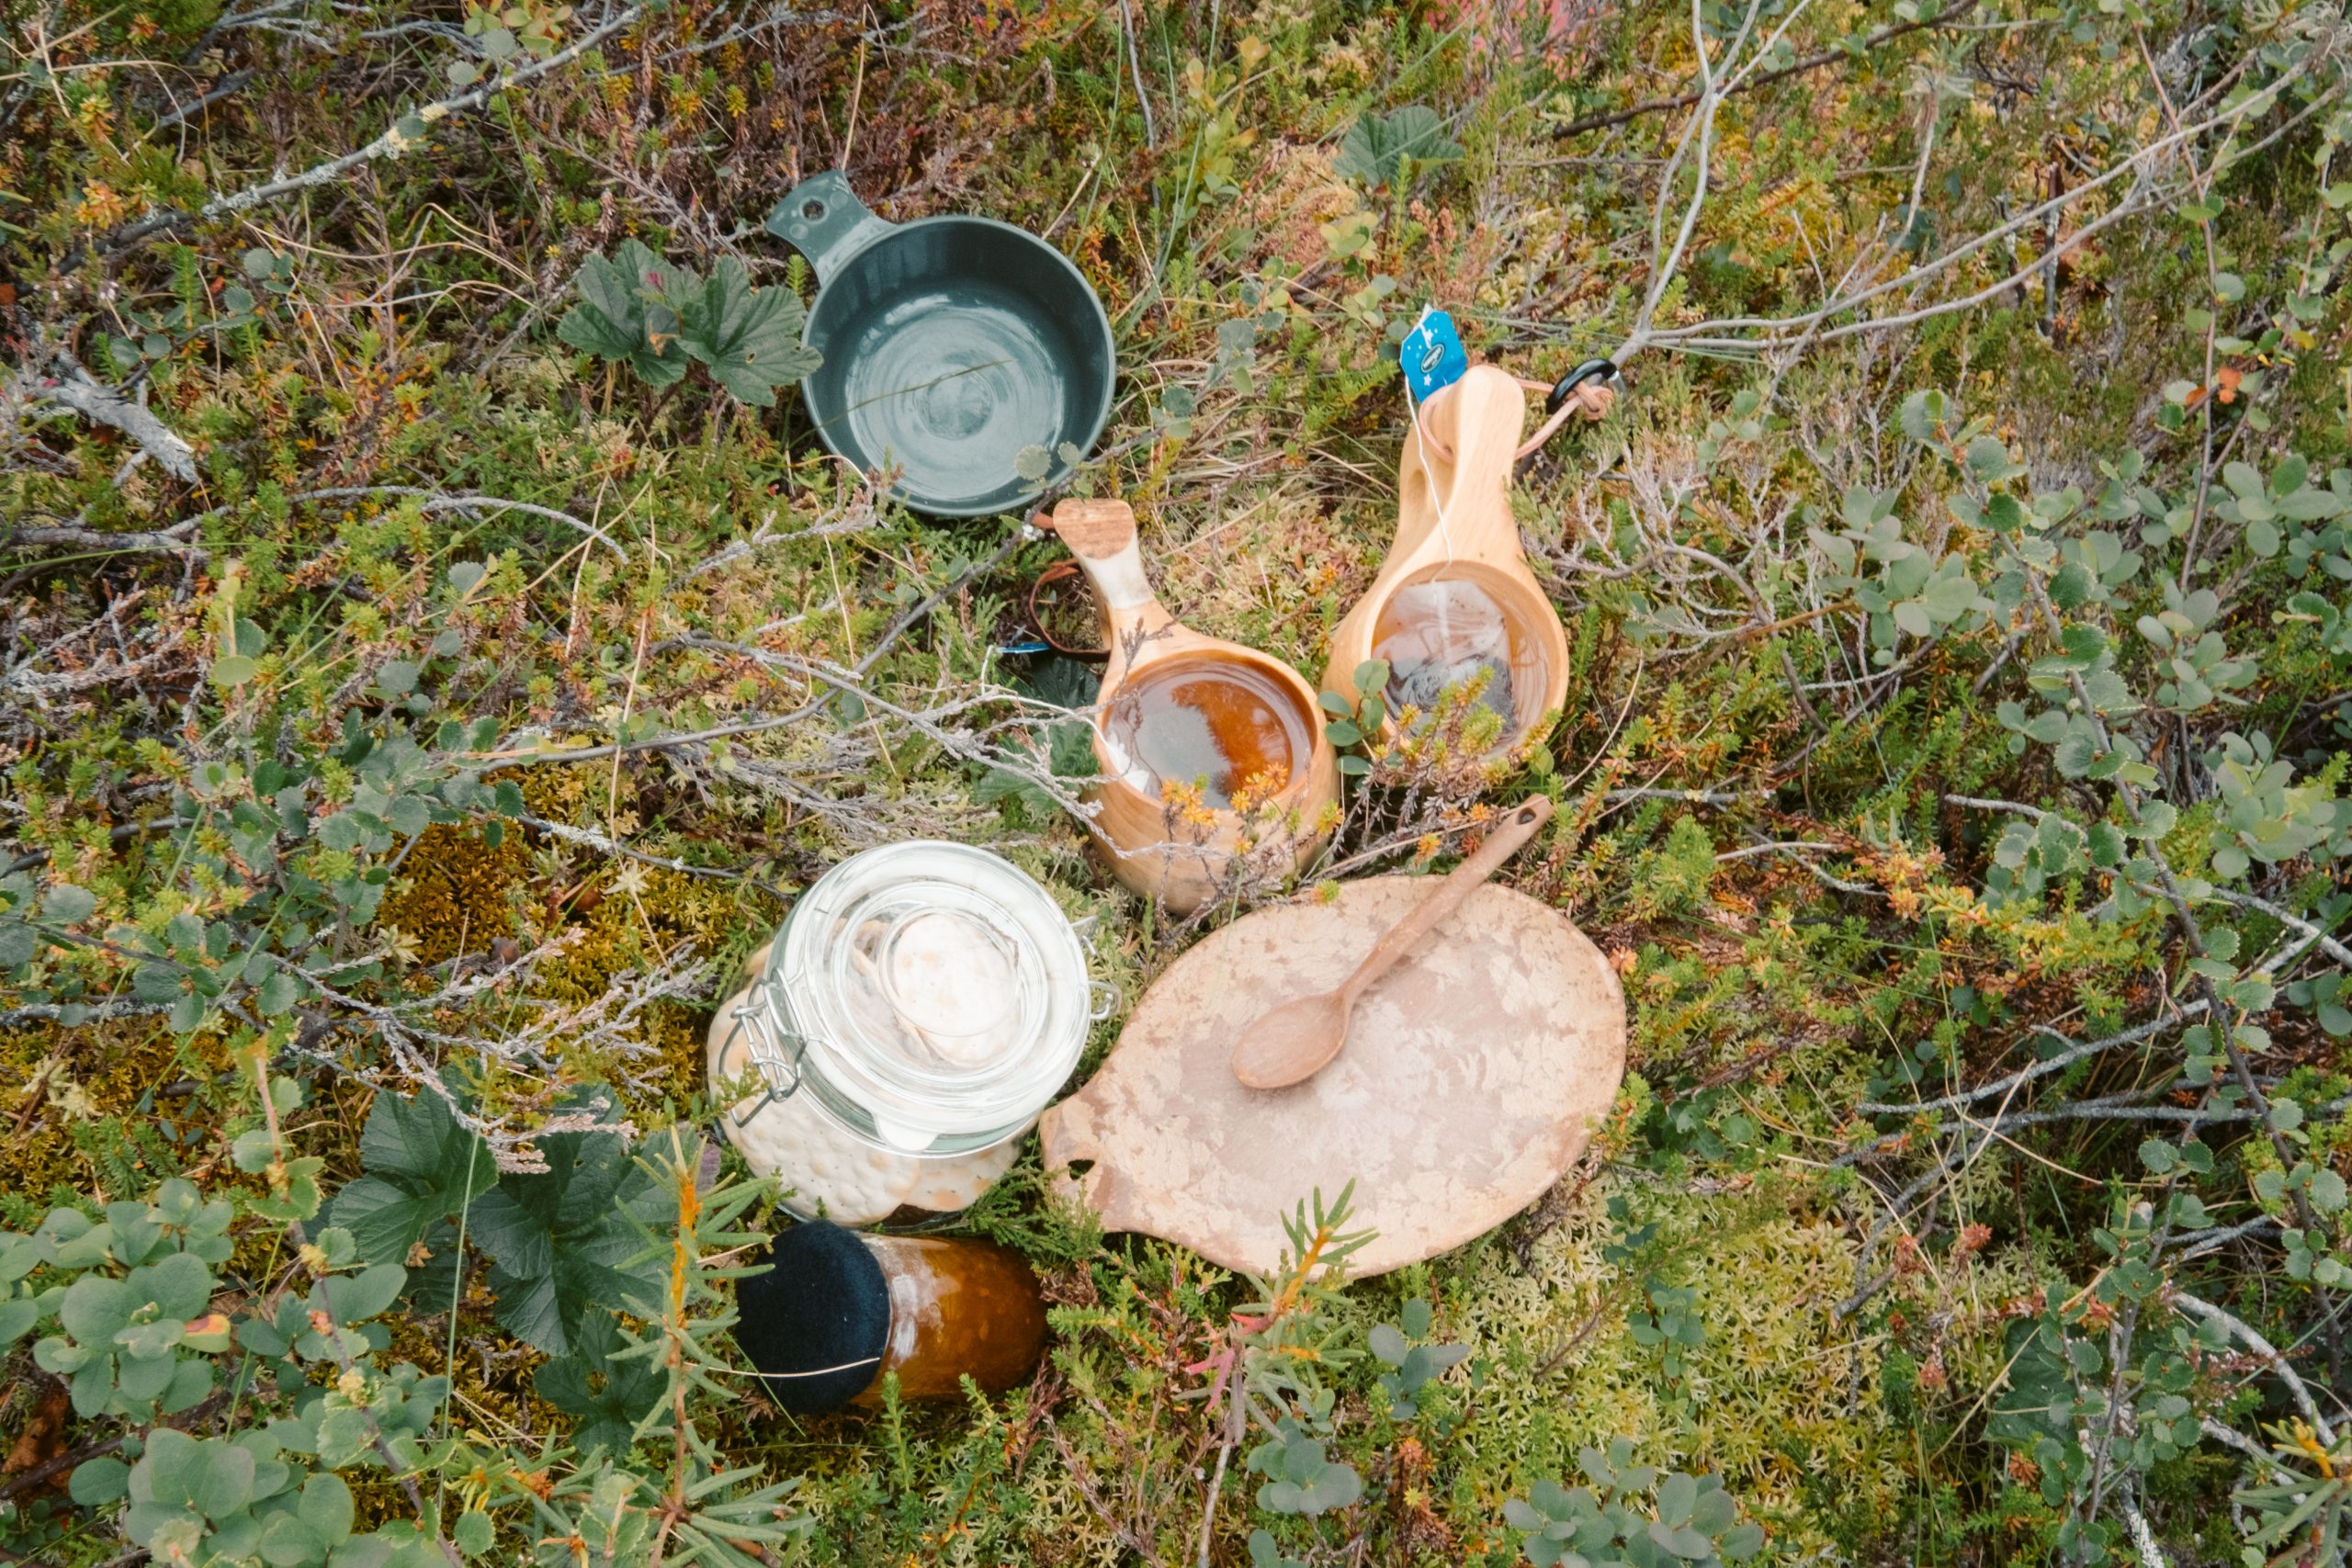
<point>101,206</point>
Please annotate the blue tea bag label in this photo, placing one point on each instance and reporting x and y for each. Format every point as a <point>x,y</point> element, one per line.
<point>1432,354</point>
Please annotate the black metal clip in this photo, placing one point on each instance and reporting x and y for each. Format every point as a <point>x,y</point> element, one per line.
<point>1590,371</point>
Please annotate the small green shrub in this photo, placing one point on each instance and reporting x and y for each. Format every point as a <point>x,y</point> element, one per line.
<point>1690,1519</point>
<point>1412,1361</point>
<point>565,1244</point>
<point>130,1297</point>
<point>1386,149</point>
<point>659,319</point>
<point>1300,1477</point>
<point>1355,724</point>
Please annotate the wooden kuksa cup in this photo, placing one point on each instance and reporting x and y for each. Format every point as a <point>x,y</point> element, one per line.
<point>1154,847</point>
<point>1474,425</point>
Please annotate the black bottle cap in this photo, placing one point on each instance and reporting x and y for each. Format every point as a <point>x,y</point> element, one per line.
<point>817,1322</point>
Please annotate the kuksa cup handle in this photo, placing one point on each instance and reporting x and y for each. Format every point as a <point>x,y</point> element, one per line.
<point>822,219</point>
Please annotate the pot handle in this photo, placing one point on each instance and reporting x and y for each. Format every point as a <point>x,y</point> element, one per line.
<point>822,219</point>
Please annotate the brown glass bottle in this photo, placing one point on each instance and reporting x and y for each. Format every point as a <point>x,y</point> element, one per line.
<point>836,1314</point>
<point>958,1308</point>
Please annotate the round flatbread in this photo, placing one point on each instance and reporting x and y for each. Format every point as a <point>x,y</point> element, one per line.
<point>1474,1074</point>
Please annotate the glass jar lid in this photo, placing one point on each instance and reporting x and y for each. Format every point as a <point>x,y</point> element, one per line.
<point>939,995</point>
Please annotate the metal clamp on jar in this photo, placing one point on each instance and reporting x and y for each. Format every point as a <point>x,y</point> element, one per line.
<point>915,1013</point>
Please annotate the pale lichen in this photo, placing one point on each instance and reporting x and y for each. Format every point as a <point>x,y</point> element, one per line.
<point>1780,1395</point>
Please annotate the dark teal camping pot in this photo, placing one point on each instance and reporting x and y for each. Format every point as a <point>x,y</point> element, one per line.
<point>951,344</point>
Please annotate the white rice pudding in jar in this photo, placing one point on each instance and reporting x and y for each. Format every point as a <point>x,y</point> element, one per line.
<point>830,1172</point>
<point>907,1027</point>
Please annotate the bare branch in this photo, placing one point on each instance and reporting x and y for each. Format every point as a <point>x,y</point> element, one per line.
<point>2251,1337</point>
<point>74,387</point>
<point>2325,943</point>
<point>2043,1069</point>
<point>433,501</point>
<point>2144,194</point>
<point>391,144</point>
<point>1841,53</point>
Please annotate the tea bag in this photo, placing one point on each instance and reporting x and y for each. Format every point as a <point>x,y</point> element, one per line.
<point>1442,635</point>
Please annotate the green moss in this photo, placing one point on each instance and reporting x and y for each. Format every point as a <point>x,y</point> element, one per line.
<point>1782,1396</point>
<point>112,1108</point>
<point>453,893</point>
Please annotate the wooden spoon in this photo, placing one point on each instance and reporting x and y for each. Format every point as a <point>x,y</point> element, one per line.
<point>1290,1043</point>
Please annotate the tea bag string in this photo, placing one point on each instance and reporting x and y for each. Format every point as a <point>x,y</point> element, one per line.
<point>825,1372</point>
<point>1429,442</point>
<point>1550,427</point>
